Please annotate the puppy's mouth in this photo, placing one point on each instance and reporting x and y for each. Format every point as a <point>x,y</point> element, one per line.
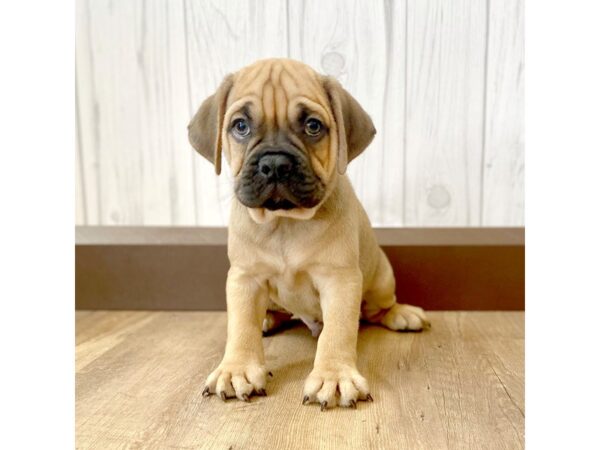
<point>273,205</point>
<point>277,196</point>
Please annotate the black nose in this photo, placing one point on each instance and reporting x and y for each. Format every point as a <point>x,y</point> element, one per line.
<point>275,166</point>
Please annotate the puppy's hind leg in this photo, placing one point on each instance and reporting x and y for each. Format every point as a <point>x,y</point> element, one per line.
<point>380,305</point>
<point>275,320</point>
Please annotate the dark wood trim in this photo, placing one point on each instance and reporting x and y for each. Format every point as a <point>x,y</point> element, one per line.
<point>178,268</point>
<point>112,235</point>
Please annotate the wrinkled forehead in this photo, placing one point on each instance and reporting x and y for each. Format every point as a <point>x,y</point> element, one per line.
<point>278,90</point>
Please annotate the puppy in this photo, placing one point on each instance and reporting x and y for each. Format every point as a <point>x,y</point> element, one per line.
<point>300,244</point>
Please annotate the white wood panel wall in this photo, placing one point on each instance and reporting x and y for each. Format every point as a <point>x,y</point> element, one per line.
<point>442,80</point>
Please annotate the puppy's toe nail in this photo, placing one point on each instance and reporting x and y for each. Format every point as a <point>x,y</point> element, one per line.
<point>223,396</point>
<point>369,397</point>
<point>323,406</point>
<point>353,404</point>
<point>261,393</point>
<point>246,397</point>
<point>305,399</point>
<point>206,392</point>
<point>270,374</point>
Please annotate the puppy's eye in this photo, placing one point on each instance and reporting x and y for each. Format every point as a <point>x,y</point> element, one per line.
<point>313,127</point>
<point>240,127</point>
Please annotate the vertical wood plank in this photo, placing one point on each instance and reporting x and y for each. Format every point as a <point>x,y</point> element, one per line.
<point>362,45</point>
<point>503,184</point>
<point>87,127</point>
<point>222,37</point>
<point>80,207</point>
<point>445,101</point>
<point>132,89</point>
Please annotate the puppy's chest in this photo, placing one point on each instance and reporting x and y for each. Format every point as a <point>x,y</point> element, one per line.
<point>295,292</point>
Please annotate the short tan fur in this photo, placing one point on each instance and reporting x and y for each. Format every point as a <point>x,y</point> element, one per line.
<point>321,264</point>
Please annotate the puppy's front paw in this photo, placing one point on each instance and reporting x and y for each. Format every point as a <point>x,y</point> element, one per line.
<point>402,317</point>
<point>241,380</point>
<point>324,383</point>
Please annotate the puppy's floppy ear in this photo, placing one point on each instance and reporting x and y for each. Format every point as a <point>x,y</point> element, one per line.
<point>204,130</point>
<point>355,127</point>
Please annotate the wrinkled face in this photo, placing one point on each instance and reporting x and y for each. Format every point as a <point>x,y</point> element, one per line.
<point>277,136</point>
<point>284,129</point>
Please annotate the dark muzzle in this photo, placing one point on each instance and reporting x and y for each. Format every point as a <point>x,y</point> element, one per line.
<point>278,178</point>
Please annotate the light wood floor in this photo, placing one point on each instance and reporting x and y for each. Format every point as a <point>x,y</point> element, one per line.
<point>140,377</point>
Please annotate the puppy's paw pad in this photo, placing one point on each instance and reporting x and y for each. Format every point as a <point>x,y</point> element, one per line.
<point>401,317</point>
<point>236,380</point>
<point>331,387</point>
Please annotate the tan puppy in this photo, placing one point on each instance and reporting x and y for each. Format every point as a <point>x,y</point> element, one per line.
<point>300,243</point>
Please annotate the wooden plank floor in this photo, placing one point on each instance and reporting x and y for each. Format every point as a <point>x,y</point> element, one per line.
<point>140,377</point>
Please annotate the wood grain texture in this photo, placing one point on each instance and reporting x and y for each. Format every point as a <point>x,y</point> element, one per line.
<point>362,45</point>
<point>87,184</point>
<point>442,80</point>
<point>80,207</point>
<point>445,98</point>
<point>503,177</point>
<point>139,382</point>
<point>133,96</point>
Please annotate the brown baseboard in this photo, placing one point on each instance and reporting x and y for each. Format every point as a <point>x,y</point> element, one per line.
<point>176,268</point>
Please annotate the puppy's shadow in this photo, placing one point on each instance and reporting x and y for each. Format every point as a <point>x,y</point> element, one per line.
<point>290,353</point>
